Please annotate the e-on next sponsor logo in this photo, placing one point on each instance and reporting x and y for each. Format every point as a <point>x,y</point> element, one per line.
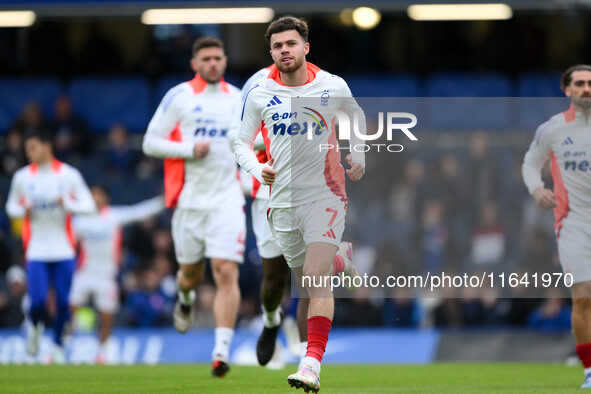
<point>317,123</point>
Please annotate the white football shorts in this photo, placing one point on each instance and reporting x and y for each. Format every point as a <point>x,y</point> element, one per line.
<point>266,243</point>
<point>102,291</point>
<point>294,228</point>
<point>574,250</point>
<point>219,233</point>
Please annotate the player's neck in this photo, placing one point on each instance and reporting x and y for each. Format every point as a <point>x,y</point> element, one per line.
<point>297,78</point>
<point>45,160</point>
<point>586,112</point>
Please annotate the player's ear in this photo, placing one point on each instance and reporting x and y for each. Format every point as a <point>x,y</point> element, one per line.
<point>194,64</point>
<point>306,48</point>
<point>567,91</point>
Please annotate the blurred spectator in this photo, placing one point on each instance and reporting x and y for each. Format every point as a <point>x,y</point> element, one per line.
<point>120,155</point>
<point>358,311</point>
<point>538,253</point>
<point>484,183</point>
<point>30,118</point>
<point>488,244</point>
<point>148,305</point>
<point>69,132</point>
<point>140,243</point>
<point>404,206</point>
<point>553,314</point>
<point>434,237</point>
<point>13,156</point>
<point>13,298</point>
<point>401,310</point>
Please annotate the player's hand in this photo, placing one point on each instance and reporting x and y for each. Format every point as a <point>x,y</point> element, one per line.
<point>201,149</point>
<point>269,174</point>
<point>356,171</point>
<point>544,198</point>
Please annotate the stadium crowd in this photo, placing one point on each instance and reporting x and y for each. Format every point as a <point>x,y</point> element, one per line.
<point>460,209</point>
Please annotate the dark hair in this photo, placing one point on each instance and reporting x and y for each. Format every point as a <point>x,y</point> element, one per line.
<point>287,23</point>
<point>102,188</point>
<point>567,76</point>
<point>42,135</point>
<point>207,42</point>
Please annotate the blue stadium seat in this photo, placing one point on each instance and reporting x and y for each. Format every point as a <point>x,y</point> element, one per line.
<point>540,98</point>
<point>16,92</point>
<point>384,85</point>
<point>469,101</point>
<point>102,101</point>
<point>537,84</point>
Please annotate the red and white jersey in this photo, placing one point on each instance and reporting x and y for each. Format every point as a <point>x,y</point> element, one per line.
<point>100,236</point>
<point>565,139</point>
<point>305,173</point>
<point>47,232</point>
<point>191,112</point>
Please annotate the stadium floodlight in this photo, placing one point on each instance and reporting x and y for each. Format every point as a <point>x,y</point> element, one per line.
<point>366,18</point>
<point>451,12</point>
<point>17,18</point>
<point>194,16</point>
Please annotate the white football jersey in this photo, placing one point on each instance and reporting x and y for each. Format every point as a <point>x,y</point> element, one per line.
<point>565,139</point>
<point>305,173</point>
<point>191,112</point>
<point>47,232</point>
<point>100,236</point>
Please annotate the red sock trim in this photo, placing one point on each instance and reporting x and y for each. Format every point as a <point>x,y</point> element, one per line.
<point>584,352</point>
<point>318,329</point>
<point>338,264</point>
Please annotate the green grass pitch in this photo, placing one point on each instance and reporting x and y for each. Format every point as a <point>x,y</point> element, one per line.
<point>435,378</point>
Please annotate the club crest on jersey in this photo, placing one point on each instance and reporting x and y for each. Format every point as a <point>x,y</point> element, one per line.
<point>324,98</point>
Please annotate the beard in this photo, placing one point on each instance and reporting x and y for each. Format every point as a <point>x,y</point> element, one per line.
<point>583,102</point>
<point>296,63</point>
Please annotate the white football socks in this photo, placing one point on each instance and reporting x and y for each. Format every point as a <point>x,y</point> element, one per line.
<point>271,319</point>
<point>187,297</point>
<point>312,362</point>
<point>223,340</point>
<point>303,351</point>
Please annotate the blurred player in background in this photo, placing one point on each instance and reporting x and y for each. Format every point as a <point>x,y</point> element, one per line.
<point>100,237</point>
<point>307,206</point>
<point>190,130</point>
<point>46,193</point>
<point>275,268</point>
<point>565,141</point>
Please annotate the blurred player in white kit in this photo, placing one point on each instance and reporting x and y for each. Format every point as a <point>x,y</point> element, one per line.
<point>100,238</point>
<point>190,130</point>
<point>46,193</point>
<point>565,140</point>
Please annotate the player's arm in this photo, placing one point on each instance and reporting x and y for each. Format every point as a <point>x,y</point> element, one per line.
<point>356,159</point>
<point>140,211</point>
<point>79,199</point>
<point>16,204</point>
<point>531,170</point>
<point>243,143</point>
<point>166,119</point>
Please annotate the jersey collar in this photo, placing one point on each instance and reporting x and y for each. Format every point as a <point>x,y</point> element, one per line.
<point>312,70</point>
<point>199,84</point>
